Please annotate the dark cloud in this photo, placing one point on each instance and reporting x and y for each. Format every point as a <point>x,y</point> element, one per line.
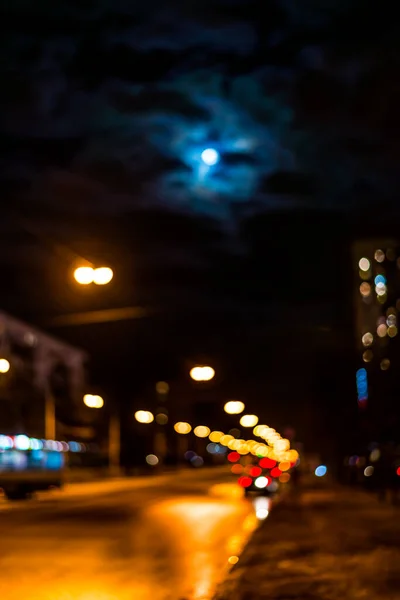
<point>142,90</point>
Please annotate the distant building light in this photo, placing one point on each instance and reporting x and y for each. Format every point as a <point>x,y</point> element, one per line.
<point>321,471</point>
<point>367,339</point>
<point>379,256</point>
<point>364,264</point>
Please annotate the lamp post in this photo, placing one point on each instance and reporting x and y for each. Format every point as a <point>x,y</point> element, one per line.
<point>114,431</point>
<point>99,276</point>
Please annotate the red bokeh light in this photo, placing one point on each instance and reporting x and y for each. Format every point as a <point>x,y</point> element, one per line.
<point>398,471</point>
<point>255,471</point>
<point>245,481</point>
<point>276,472</point>
<point>233,456</point>
<point>267,463</point>
<point>237,469</point>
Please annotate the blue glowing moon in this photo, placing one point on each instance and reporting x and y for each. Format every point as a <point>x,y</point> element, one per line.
<point>210,157</point>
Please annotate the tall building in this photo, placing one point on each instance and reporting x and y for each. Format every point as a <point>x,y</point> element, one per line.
<point>376,300</point>
<point>42,383</point>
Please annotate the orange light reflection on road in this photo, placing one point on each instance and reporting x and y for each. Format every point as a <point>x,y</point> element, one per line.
<point>202,544</point>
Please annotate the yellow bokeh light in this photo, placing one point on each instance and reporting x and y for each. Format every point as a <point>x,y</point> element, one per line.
<point>84,275</point>
<point>284,466</point>
<point>234,407</point>
<point>392,331</point>
<point>259,429</point>
<point>4,365</point>
<point>93,401</point>
<point>204,373</point>
<point>226,439</point>
<point>201,431</point>
<point>293,456</point>
<point>215,436</point>
<point>144,416</point>
<point>249,420</point>
<point>182,428</point>
<point>162,388</point>
<point>102,275</point>
<point>233,560</point>
<point>261,450</point>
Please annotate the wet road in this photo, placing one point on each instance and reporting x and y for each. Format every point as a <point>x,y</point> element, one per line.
<point>161,538</point>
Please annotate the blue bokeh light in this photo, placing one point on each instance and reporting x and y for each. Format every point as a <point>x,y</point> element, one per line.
<point>380,279</point>
<point>210,157</point>
<point>321,471</point>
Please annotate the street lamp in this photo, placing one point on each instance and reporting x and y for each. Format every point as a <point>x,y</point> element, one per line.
<point>114,431</point>
<point>93,401</point>
<point>203,373</point>
<point>234,407</point>
<point>88,275</point>
<point>4,365</point>
<point>144,416</point>
<point>84,275</point>
<point>182,428</point>
<point>103,275</point>
<point>249,420</point>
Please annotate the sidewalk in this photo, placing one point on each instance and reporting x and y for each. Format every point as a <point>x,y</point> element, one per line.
<point>324,544</point>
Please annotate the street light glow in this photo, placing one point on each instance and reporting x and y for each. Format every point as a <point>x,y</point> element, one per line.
<point>182,428</point>
<point>204,373</point>
<point>4,365</point>
<point>249,420</point>
<point>93,401</point>
<point>102,275</point>
<point>201,431</point>
<point>84,275</point>
<point>144,416</point>
<point>234,407</point>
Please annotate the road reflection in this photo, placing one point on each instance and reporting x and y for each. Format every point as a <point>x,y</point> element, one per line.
<point>153,548</point>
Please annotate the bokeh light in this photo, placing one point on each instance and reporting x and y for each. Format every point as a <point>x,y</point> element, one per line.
<point>144,416</point>
<point>162,388</point>
<point>84,275</point>
<point>249,420</point>
<point>215,436</point>
<point>201,431</point>
<point>385,364</point>
<point>261,482</point>
<point>381,330</point>
<point>368,356</point>
<point>364,264</point>
<point>234,407</point>
<point>182,428</point>
<point>369,471</point>
<point>367,339</point>
<point>152,460</point>
<point>321,471</point>
<point>379,256</point>
<point>93,401</point>
<point>365,289</point>
<point>204,373</point>
<point>162,419</point>
<point>4,365</point>
<point>102,275</point>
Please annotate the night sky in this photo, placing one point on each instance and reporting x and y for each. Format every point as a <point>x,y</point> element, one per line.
<point>105,110</point>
